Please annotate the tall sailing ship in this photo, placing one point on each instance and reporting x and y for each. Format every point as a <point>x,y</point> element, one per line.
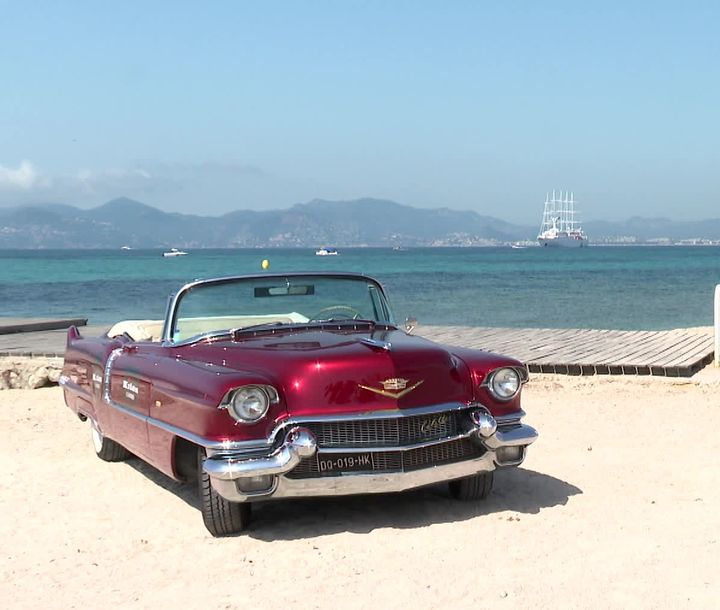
<point>559,229</point>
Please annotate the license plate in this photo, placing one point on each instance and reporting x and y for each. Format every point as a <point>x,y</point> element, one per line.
<point>344,462</point>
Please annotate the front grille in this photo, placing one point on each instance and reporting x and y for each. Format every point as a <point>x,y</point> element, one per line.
<point>441,454</point>
<point>401,461</point>
<point>389,432</point>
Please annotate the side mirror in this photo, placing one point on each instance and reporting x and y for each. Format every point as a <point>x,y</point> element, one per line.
<point>410,324</point>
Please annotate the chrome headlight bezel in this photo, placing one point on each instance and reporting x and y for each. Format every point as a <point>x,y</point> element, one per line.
<point>504,383</point>
<point>248,404</point>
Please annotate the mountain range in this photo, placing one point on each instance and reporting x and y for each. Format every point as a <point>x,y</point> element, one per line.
<point>361,222</point>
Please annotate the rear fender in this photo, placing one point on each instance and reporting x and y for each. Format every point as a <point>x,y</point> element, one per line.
<point>82,372</point>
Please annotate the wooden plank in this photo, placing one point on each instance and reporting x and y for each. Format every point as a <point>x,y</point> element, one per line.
<point>680,354</point>
<point>636,353</point>
<point>606,349</point>
<point>664,350</point>
<point>696,354</point>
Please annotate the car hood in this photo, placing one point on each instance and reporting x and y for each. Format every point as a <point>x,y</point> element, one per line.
<point>321,371</point>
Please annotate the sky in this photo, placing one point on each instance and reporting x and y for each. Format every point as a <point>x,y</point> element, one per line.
<point>210,107</point>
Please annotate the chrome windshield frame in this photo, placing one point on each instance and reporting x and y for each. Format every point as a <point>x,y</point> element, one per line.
<point>174,299</point>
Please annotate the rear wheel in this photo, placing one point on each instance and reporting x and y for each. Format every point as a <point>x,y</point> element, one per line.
<point>105,448</point>
<point>221,517</point>
<point>476,487</point>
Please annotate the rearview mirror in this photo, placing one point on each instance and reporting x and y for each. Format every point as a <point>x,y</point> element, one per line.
<point>284,291</point>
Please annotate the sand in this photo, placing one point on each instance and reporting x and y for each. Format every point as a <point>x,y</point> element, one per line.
<point>617,505</point>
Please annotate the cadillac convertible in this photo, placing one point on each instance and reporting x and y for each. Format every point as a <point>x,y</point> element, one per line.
<point>273,386</point>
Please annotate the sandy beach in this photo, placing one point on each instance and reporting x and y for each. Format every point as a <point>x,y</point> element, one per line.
<point>617,505</point>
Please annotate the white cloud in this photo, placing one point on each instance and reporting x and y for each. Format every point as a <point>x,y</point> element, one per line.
<point>211,187</point>
<point>111,180</point>
<point>24,178</point>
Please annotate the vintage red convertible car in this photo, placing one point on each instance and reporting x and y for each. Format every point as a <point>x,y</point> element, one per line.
<point>294,385</point>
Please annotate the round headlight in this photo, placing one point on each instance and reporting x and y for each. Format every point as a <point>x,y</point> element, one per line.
<point>504,383</point>
<point>249,404</point>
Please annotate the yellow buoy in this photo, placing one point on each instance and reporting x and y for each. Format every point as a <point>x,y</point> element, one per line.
<point>265,264</point>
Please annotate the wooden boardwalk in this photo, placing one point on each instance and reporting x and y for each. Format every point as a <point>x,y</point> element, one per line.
<point>671,353</point>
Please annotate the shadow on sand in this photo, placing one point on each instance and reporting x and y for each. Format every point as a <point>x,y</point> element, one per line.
<point>187,492</point>
<point>516,489</point>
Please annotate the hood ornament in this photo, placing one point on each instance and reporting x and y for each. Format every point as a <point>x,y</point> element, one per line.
<point>377,343</point>
<point>394,383</point>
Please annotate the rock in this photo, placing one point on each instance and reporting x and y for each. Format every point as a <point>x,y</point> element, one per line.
<point>29,373</point>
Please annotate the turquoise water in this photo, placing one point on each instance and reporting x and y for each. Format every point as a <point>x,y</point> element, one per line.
<point>644,288</point>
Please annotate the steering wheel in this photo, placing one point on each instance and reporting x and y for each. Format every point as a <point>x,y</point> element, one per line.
<point>321,315</point>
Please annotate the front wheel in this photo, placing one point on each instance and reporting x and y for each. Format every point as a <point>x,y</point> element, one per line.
<point>476,487</point>
<point>106,449</point>
<point>220,516</point>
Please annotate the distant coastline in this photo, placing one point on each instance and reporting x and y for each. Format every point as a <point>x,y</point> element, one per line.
<point>358,223</point>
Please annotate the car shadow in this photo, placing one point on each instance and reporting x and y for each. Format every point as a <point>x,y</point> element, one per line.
<point>515,489</point>
<point>187,492</point>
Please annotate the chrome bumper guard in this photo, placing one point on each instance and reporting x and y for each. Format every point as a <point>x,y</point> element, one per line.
<point>232,476</point>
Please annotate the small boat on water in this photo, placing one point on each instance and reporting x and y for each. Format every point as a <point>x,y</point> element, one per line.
<point>559,229</point>
<point>326,252</point>
<point>174,252</point>
<point>125,248</point>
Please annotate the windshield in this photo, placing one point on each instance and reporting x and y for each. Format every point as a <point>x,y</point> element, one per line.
<point>219,305</point>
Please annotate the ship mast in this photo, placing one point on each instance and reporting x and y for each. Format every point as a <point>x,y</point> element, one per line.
<point>559,226</point>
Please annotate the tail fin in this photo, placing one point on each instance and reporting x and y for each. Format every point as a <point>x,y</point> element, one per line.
<point>73,334</point>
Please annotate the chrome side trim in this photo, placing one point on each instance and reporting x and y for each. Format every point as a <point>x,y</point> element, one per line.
<point>107,374</point>
<point>211,444</point>
<point>238,446</point>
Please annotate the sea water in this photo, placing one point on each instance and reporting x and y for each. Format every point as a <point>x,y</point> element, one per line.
<point>642,288</point>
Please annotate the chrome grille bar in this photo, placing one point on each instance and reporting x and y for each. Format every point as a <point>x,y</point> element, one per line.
<point>403,461</point>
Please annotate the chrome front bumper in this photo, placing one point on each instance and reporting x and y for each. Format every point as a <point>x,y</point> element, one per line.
<point>232,476</point>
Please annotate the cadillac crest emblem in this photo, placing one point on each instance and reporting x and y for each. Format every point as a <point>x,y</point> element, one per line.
<point>394,383</point>
<point>395,387</point>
